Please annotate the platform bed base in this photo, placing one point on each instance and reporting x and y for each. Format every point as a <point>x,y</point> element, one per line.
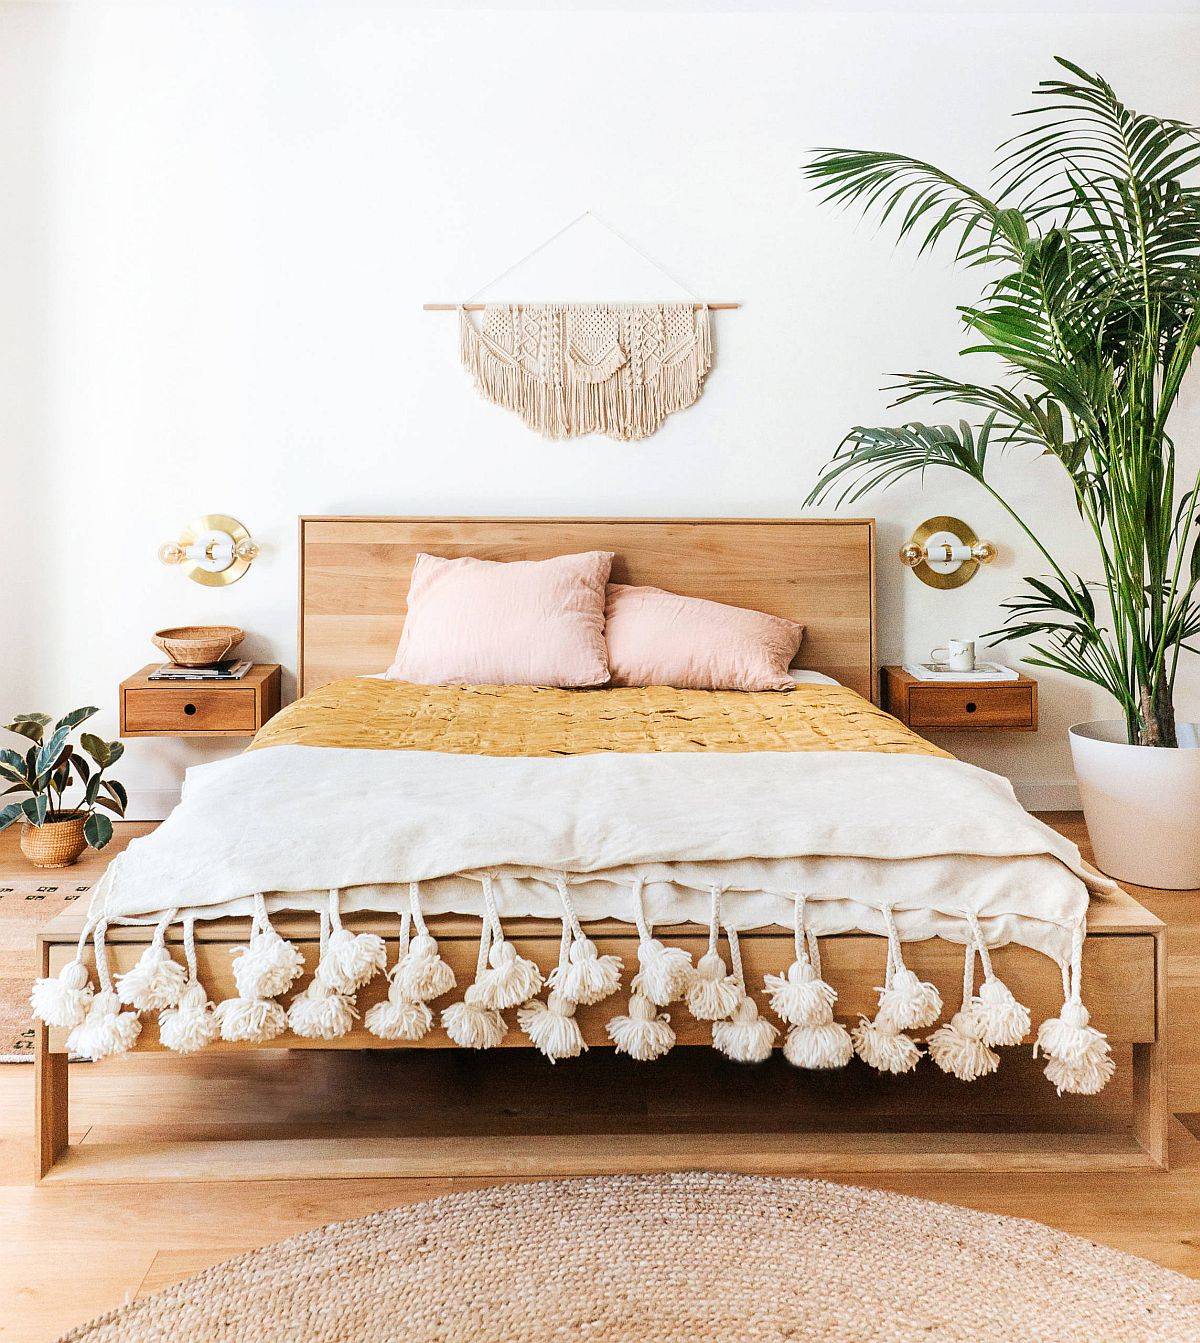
<point>1124,978</point>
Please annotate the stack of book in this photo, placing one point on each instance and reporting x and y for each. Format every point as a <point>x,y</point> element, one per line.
<point>212,671</point>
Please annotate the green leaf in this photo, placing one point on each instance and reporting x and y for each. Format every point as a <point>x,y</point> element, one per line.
<point>75,717</point>
<point>10,814</point>
<point>115,751</point>
<point>12,766</point>
<point>30,725</point>
<point>95,747</point>
<point>97,830</point>
<point>50,750</point>
<point>111,805</point>
<point>82,768</point>
<point>35,808</point>
<point>118,792</point>
<point>93,787</point>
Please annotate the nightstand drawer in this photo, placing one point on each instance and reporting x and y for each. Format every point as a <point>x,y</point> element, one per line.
<point>971,706</point>
<point>191,708</point>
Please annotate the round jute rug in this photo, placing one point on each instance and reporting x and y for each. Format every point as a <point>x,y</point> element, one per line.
<point>679,1258</point>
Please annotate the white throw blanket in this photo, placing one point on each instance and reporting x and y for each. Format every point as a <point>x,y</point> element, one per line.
<point>906,846</point>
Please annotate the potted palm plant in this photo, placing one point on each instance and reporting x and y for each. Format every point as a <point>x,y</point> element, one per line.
<point>54,831</point>
<point>1089,239</point>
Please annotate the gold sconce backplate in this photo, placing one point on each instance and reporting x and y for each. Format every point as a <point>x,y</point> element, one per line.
<point>203,527</point>
<point>946,576</point>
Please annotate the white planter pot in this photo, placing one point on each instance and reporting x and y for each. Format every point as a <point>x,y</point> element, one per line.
<point>1142,804</point>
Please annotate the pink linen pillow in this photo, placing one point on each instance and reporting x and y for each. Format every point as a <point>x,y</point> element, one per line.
<point>659,638</point>
<point>487,622</point>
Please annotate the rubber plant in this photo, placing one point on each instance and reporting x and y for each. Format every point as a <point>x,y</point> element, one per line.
<point>52,765</point>
<point>1088,243</point>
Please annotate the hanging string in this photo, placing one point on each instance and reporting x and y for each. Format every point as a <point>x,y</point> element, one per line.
<point>566,228</point>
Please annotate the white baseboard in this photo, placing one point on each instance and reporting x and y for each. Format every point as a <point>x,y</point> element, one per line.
<point>154,804</point>
<point>151,804</point>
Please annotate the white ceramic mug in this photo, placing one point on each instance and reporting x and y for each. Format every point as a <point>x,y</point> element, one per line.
<point>958,654</point>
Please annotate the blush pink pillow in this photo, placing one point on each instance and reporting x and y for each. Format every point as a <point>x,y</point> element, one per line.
<point>659,638</point>
<point>485,622</point>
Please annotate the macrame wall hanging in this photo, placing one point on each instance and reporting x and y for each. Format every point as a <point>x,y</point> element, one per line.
<point>569,369</point>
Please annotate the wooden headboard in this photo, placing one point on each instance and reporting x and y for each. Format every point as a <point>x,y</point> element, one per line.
<point>354,576</point>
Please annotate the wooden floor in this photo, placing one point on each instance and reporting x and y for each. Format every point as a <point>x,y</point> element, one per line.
<point>70,1251</point>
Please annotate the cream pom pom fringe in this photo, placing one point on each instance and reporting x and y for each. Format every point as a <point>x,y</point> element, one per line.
<point>747,1037</point>
<point>714,993</point>
<point>551,1025</point>
<point>805,1002</point>
<point>191,1024</point>
<point>472,1023</point>
<point>105,1030</point>
<point>1080,1060</point>
<point>1078,1057</point>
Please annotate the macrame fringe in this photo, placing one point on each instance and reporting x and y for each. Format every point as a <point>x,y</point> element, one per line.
<point>620,396</point>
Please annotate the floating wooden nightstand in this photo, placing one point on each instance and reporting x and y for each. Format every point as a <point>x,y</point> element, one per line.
<point>960,706</point>
<point>199,708</point>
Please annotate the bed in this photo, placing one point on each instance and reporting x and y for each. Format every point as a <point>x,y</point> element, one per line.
<point>1010,895</point>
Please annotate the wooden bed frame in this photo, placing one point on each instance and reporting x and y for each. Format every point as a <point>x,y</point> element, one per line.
<point>353,580</point>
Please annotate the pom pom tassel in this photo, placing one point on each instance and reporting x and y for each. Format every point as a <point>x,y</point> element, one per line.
<point>320,1012</point>
<point>401,1016</point>
<point>349,960</point>
<point>472,1023</point>
<point>250,1020</point>
<point>552,1027</point>
<point>643,1034</point>
<point>747,1038</point>
<point>62,1000</point>
<point>1002,1020</point>
<point>825,1046</point>
<point>156,981</point>
<point>105,1030</point>
<point>583,976</point>
<point>664,973</point>
<point>1080,1060</point>
<point>802,997</point>
<point>508,979</point>
<point>883,1046</point>
<point>714,993</point>
<point>191,1024</point>
<point>958,1048</point>
<point>905,1001</point>
<point>268,965</point>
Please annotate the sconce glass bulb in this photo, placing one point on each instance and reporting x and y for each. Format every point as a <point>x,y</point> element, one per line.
<point>984,551</point>
<point>911,554</point>
<point>171,553</point>
<point>246,549</point>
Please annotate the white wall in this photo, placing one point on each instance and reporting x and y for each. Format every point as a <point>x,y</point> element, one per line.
<point>220,222</point>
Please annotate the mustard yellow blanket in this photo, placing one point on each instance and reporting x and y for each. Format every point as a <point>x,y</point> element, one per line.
<point>535,721</point>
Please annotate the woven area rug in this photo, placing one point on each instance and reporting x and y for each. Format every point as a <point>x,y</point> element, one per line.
<point>695,1257</point>
<point>25,905</point>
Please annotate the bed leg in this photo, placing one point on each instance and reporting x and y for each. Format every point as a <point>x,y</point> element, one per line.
<point>50,1101</point>
<point>1151,1102</point>
<point>50,1095</point>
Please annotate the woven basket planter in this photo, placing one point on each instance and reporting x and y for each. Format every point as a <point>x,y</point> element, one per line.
<point>56,843</point>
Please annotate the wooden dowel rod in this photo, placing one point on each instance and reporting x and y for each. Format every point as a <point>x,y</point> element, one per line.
<point>479,307</point>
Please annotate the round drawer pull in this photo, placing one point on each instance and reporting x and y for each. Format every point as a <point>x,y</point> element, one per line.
<point>190,709</point>
<point>971,706</point>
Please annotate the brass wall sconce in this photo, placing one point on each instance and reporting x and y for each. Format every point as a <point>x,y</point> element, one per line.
<point>945,553</point>
<point>214,550</point>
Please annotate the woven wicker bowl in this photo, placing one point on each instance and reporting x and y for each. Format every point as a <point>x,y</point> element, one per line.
<point>196,645</point>
<point>56,843</point>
